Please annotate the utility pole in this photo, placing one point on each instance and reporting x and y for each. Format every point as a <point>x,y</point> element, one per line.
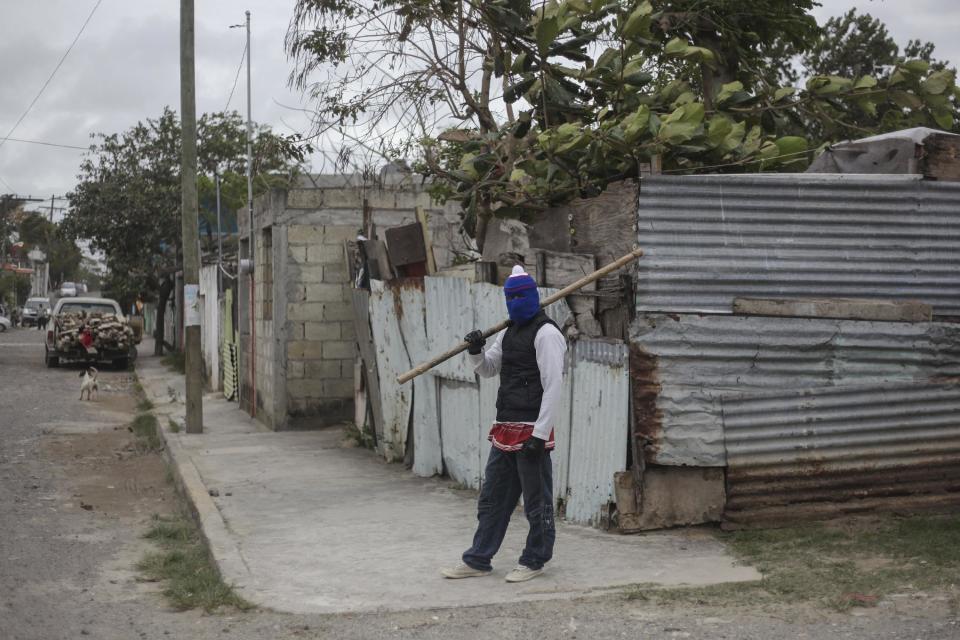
<point>189,222</point>
<point>253,238</point>
<point>216,176</point>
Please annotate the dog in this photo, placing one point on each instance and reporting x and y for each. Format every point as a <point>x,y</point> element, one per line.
<point>89,382</point>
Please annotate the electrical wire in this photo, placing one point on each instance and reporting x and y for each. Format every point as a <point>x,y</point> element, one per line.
<point>48,144</point>
<point>50,77</point>
<point>237,78</point>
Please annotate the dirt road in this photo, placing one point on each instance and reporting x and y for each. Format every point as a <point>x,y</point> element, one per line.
<point>76,497</point>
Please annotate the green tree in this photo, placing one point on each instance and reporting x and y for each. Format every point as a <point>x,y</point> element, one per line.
<point>62,252</point>
<point>127,200</point>
<point>513,109</point>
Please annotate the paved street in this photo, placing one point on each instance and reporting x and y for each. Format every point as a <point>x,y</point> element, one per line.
<point>75,499</point>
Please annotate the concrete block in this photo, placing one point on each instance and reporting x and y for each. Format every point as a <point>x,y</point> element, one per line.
<point>336,235</point>
<point>302,311</point>
<point>304,388</point>
<point>672,497</point>
<point>322,292</point>
<point>338,388</point>
<point>338,311</point>
<point>303,234</point>
<point>322,331</point>
<point>297,253</point>
<point>844,308</point>
<point>335,274</point>
<point>308,273</point>
<point>295,369</point>
<point>325,254</point>
<point>305,350</point>
<point>294,330</point>
<point>347,331</point>
<point>341,349</point>
<point>323,369</point>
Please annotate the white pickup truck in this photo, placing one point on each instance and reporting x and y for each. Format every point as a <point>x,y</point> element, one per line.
<point>69,311</point>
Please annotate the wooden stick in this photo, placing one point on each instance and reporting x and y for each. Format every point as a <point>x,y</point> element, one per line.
<point>559,295</point>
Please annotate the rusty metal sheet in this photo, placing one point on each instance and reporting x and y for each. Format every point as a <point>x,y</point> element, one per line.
<point>819,452</point>
<point>361,323</point>
<point>683,364</point>
<point>459,430</point>
<point>392,360</point>
<point>449,318</point>
<point>599,424</point>
<point>709,239</point>
<point>427,458</point>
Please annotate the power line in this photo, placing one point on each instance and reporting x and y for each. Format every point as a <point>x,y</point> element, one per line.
<point>237,78</point>
<point>53,73</point>
<point>47,144</point>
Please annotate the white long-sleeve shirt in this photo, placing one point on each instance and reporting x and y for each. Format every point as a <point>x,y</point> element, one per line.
<point>551,347</point>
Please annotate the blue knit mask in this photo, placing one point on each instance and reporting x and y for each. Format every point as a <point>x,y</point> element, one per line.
<point>523,299</point>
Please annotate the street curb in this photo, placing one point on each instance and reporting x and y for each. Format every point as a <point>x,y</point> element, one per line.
<point>214,531</point>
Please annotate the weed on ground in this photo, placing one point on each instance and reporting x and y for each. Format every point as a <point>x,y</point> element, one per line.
<point>146,438</point>
<point>357,437</point>
<point>840,565</point>
<point>183,563</point>
<point>176,361</point>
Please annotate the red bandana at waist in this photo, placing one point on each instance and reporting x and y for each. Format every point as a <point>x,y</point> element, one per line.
<point>510,436</point>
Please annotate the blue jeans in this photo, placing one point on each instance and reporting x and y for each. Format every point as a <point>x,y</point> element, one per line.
<point>508,476</point>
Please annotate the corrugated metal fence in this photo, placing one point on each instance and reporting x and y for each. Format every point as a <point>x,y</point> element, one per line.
<point>811,416</point>
<point>709,239</point>
<point>451,410</point>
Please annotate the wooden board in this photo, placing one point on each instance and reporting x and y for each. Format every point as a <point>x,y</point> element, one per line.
<point>405,244</point>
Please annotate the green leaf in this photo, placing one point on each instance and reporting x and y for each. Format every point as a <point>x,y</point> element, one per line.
<point>790,145</point>
<point>938,82</point>
<point>782,93</point>
<point>518,175</point>
<point>718,129</point>
<point>513,92</point>
<point>466,165</point>
<point>866,82</point>
<point>676,47</point>
<point>636,123</point>
<point>916,66</point>
<point>828,85</point>
<point>735,138</point>
<point>546,32</point>
<point>906,100</point>
<point>944,118</point>
<point>727,91</point>
<point>638,79</point>
<point>521,63</point>
<point>639,21</point>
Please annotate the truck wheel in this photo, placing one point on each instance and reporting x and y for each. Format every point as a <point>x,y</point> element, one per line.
<point>52,361</point>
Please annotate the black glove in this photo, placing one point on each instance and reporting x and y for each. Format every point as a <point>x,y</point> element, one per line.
<point>476,340</point>
<point>533,448</point>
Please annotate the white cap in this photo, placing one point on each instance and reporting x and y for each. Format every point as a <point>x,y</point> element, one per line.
<point>518,271</point>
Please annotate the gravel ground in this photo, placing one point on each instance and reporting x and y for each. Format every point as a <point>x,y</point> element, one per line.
<point>76,499</point>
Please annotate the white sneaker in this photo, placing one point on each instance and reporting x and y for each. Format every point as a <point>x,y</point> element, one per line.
<point>522,574</point>
<point>463,570</point>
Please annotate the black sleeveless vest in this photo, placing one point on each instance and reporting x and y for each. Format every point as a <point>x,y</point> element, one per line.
<point>520,393</point>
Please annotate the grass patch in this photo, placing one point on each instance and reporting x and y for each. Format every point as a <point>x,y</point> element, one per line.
<point>176,360</point>
<point>146,438</point>
<point>183,563</point>
<point>839,565</point>
<point>144,405</point>
<point>174,425</point>
<point>354,434</point>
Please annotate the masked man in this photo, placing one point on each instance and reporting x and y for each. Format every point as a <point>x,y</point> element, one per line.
<point>529,358</point>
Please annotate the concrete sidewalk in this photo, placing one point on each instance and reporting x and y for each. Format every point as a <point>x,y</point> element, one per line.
<point>301,523</point>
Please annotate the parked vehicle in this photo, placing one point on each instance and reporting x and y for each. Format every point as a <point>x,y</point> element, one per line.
<point>4,323</point>
<point>68,290</point>
<point>33,309</point>
<point>90,330</point>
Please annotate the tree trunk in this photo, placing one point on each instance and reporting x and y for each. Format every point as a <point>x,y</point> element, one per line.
<point>166,287</point>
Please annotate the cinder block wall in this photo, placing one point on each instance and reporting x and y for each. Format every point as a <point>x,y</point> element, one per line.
<point>319,325</point>
<point>264,363</point>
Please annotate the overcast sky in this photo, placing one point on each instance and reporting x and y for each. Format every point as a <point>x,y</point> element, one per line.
<point>125,67</point>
